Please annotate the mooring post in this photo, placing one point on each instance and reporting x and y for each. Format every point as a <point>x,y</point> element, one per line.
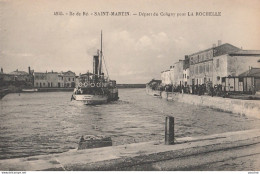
<point>169,130</point>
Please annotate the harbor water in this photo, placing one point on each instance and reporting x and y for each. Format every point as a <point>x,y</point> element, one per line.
<point>48,122</point>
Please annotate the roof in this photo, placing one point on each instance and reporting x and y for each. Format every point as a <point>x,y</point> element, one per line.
<point>18,73</point>
<point>69,72</point>
<point>254,72</point>
<point>217,47</point>
<point>245,53</point>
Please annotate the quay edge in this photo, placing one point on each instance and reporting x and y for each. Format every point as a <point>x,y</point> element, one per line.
<point>224,147</point>
<point>237,106</point>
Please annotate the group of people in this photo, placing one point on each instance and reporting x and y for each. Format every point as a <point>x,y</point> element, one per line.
<point>201,89</point>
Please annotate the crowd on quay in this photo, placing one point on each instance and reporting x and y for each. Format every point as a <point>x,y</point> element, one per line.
<point>201,89</point>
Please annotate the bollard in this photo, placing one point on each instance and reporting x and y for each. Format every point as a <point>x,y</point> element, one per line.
<point>169,130</point>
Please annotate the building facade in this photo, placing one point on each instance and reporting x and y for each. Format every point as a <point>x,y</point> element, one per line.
<point>202,66</point>
<point>54,79</point>
<point>233,64</point>
<point>166,77</point>
<point>69,79</point>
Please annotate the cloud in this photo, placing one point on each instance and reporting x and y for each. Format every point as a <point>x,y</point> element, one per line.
<point>143,43</point>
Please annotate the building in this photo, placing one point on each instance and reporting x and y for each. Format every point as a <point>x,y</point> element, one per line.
<point>253,72</point>
<point>69,78</point>
<point>186,71</point>
<point>177,74</point>
<point>16,78</point>
<point>201,63</point>
<point>40,79</point>
<point>166,77</point>
<point>54,79</point>
<point>234,64</point>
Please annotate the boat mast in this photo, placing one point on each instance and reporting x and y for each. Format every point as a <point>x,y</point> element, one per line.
<point>100,59</point>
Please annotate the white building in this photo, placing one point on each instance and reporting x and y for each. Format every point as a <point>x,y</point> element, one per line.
<point>167,76</point>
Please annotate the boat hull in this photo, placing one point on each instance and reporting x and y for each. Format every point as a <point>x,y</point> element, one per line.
<point>91,99</point>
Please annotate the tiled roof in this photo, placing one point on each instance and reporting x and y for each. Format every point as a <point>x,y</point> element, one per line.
<point>255,72</point>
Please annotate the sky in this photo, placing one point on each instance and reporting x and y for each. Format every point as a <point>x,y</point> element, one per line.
<point>136,48</point>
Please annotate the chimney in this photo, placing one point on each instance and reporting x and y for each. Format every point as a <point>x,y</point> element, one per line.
<point>214,45</point>
<point>219,42</point>
<point>29,70</point>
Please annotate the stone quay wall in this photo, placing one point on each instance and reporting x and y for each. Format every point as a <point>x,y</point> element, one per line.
<point>237,106</point>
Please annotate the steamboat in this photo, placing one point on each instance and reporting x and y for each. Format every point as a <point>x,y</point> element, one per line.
<point>95,88</point>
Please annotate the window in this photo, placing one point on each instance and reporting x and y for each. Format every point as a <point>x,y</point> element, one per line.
<point>217,63</point>
<point>191,60</point>
<point>207,67</point>
<point>218,78</point>
<point>201,69</point>
<point>73,79</point>
<point>36,83</point>
<point>188,77</point>
<point>196,70</point>
<point>69,79</point>
<point>61,78</point>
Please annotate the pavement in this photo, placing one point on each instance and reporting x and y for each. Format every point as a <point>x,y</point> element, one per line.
<point>213,152</point>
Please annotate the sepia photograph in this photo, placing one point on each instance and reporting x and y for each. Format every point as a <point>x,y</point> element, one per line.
<point>129,85</point>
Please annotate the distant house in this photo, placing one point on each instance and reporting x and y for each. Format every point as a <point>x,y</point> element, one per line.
<point>40,79</point>
<point>54,79</point>
<point>166,77</point>
<point>69,79</point>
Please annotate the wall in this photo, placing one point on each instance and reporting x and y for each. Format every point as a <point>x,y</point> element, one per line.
<point>237,106</point>
<point>178,73</point>
<point>239,64</point>
<point>40,80</point>
<point>221,70</point>
<point>200,71</point>
<point>69,79</point>
<point>232,66</point>
<point>52,79</point>
<point>166,77</point>
<point>186,76</point>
